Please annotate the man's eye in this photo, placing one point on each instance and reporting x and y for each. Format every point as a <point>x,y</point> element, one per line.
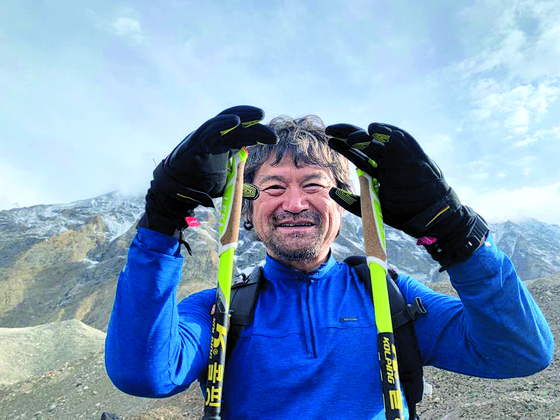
<point>312,188</point>
<point>274,190</point>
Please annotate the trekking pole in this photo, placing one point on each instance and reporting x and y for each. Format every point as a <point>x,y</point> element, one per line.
<point>374,238</point>
<point>228,235</point>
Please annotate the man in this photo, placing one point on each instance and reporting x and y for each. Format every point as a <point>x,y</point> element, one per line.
<point>298,358</point>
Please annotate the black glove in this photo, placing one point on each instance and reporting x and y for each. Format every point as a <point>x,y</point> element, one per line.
<point>414,195</point>
<point>195,172</point>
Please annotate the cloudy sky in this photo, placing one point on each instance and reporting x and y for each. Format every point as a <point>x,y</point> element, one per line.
<point>93,93</point>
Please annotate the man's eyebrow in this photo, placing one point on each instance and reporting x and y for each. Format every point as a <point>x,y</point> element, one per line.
<point>318,175</point>
<point>267,178</point>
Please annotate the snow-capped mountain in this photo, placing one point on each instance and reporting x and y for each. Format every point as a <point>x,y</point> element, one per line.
<point>62,261</point>
<point>43,221</point>
<point>533,246</point>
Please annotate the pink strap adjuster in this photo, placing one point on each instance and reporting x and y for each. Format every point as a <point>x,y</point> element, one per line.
<point>192,221</point>
<point>426,240</point>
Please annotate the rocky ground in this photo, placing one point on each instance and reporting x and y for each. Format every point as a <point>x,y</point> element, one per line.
<point>535,397</point>
<point>80,389</point>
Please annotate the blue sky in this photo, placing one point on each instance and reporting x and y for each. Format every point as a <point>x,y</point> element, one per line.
<point>93,93</point>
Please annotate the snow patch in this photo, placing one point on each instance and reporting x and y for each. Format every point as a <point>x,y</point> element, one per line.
<point>340,249</point>
<point>248,270</point>
<point>90,262</point>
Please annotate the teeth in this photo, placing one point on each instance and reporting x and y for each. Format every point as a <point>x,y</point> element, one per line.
<point>295,225</point>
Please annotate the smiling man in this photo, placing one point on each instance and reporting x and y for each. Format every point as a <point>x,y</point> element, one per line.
<point>295,218</point>
<point>309,350</point>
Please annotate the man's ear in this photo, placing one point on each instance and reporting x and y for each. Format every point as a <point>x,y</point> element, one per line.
<point>341,210</point>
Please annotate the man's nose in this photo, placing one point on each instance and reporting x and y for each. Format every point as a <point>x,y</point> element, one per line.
<point>294,202</point>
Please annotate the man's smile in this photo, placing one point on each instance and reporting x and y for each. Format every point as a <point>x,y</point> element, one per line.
<point>298,224</point>
<point>295,223</point>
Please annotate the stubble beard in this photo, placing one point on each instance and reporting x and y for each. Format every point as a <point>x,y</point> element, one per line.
<point>296,246</point>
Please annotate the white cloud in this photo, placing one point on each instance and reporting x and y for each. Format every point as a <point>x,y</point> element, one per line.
<point>517,107</point>
<point>477,170</point>
<point>438,146</point>
<point>479,176</point>
<point>476,166</point>
<point>526,164</point>
<point>508,45</point>
<point>552,134</point>
<point>23,188</point>
<point>526,142</point>
<point>540,202</point>
<point>124,26</point>
<point>524,161</point>
<point>512,75</point>
<point>506,53</point>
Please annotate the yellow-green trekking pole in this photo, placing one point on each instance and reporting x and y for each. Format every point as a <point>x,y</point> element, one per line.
<point>374,238</point>
<point>228,235</point>
<point>349,140</point>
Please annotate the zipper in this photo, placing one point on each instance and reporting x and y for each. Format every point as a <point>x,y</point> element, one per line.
<point>309,328</point>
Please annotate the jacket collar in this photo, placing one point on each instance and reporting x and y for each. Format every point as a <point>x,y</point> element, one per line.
<point>274,269</point>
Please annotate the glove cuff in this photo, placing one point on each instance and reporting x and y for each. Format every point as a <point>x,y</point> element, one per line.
<point>165,214</point>
<point>435,217</point>
<point>460,246</point>
<point>174,190</point>
<point>168,203</point>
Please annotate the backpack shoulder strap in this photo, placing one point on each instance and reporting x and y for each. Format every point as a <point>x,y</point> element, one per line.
<point>402,314</point>
<point>244,297</point>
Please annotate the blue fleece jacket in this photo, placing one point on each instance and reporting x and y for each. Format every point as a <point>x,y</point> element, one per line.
<point>311,350</point>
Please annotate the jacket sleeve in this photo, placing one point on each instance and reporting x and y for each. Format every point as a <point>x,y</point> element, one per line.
<point>155,348</point>
<point>495,329</point>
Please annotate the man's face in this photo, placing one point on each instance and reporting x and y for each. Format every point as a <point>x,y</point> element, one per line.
<point>294,216</point>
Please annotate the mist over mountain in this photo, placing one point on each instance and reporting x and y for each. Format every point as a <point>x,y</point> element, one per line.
<point>60,262</point>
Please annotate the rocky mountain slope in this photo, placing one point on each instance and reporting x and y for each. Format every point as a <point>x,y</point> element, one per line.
<point>61,262</point>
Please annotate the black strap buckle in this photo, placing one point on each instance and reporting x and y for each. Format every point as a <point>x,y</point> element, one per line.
<point>410,313</point>
<point>415,309</point>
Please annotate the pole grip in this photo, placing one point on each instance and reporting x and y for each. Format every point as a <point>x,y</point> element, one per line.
<point>371,229</point>
<point>230,232</point>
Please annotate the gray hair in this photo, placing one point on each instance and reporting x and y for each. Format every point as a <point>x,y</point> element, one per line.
<point>305,141</point>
